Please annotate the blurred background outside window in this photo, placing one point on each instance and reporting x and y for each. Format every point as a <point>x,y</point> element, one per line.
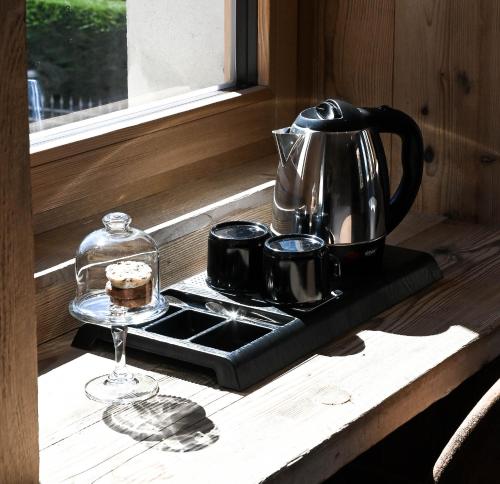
<point>90,57</point>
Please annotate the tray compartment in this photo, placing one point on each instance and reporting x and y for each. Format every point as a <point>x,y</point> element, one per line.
<point>231,336</point>
<point>184,324</point>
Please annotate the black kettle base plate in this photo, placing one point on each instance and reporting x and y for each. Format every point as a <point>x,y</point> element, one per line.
<point>246,340</point>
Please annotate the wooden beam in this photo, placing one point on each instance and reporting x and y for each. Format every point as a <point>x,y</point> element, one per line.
<point>18,367</point>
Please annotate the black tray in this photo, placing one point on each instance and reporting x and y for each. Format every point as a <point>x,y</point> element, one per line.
<point>247,340</point>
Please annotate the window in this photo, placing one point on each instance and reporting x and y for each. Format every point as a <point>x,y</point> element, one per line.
<point>87,58</point>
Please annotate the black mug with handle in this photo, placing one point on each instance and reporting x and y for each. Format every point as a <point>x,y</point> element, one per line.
<point>298,270</point>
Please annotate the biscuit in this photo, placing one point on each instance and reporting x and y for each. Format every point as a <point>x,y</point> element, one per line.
<point>142,292</point>
<point>130,303</point>
<point>128,274</point>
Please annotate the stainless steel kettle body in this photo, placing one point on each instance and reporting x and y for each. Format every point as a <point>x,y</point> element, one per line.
<point>332,178</point>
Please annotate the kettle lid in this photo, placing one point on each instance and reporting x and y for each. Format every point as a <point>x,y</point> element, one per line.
<point>332,115</point>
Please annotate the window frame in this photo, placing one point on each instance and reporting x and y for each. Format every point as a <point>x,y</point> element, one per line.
<point>248,115</point>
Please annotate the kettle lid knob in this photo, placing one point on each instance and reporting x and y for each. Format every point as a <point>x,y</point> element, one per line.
<point>332,115</point>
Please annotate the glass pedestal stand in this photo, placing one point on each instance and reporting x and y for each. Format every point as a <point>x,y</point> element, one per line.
<point>121,386</point>
<point>118,285</point>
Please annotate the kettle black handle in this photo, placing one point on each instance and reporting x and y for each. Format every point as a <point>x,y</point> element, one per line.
<point>387,120</point>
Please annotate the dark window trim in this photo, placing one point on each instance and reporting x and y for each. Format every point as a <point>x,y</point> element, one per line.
<point>246,43</point>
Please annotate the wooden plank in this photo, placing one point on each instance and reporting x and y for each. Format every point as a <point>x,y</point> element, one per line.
<point>83,177</point>
<point>446,55</point>
<point>312,58</point>
<point>18,387</point>
<point>391,368</point>
<point>358,37</point>
<point>136,122</point>
<point>359,437</point>
<point>488,194</point>
<point>283,59</point>
<point>185,183</point>
<point>346,52</point>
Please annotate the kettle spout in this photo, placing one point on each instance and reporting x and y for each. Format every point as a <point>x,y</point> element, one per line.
<point>289,144</point>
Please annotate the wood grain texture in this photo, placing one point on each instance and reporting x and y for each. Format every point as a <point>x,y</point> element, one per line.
<point>439,61</point>
<point>81,182</point>
<point>312,59</point>
<point>393,367</point>
<point>346,50</point>
<point>283,28</point>
<point>77,139</point>
<point>185,183</point>
<point>18,361</point>
<point>447,56</point>
<point>358,38</point>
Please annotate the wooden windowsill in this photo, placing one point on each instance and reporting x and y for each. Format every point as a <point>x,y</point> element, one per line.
<point>393,367</point>
<point>120,126</point>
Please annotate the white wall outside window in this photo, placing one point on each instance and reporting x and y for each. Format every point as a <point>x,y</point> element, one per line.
<point>174,46</point>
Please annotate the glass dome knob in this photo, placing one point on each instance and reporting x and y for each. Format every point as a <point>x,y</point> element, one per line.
<point>117,222</point>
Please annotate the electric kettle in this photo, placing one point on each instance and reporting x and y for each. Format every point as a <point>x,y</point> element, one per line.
<point>333,180</point>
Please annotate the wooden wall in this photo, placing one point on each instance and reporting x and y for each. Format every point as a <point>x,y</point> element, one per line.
<point>18,359</point>
<point>437,60</point>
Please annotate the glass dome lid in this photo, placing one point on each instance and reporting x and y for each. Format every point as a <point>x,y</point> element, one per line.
<point>117,275</point>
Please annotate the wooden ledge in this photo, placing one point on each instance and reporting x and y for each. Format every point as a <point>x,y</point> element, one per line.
<point>393,367</point>
<point>90,134</point>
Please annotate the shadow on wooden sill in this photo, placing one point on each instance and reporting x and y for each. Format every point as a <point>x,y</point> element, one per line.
<point>168,423</point>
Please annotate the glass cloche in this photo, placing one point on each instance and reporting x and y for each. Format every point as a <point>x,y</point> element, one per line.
<point>117,275</point>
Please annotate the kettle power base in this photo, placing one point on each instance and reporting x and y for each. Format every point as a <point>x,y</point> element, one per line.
<point>245,343</point>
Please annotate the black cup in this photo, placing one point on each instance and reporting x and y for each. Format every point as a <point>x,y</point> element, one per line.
<point>234,262</point>
<point>298,270</point>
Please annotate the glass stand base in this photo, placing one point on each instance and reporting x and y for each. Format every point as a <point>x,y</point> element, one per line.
<point>136,389</point>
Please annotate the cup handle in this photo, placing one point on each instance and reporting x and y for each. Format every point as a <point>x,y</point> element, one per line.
<point>335,268</point>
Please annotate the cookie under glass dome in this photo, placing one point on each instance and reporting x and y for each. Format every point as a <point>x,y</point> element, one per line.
<point>117,277</point>
<point>116,244</point>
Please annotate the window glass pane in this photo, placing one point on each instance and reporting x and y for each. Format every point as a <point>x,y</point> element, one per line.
<point>90,57</point>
